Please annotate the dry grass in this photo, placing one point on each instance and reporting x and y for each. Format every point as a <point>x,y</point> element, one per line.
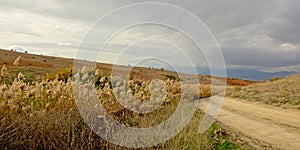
<point>281,92</point>
<point>239,82</point>
<point>65,129</point>
<point>43,115</point>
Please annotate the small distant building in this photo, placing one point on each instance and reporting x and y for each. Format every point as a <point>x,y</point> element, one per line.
<point>26,52</point>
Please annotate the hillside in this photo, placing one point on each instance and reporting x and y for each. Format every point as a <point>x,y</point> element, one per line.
<point>49,64</point>
<point>33,60</point>
<point>40,65</point>
<point>280,92</point>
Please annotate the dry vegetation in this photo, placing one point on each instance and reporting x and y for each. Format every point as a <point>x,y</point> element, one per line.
<point>42,114</point>
<point>239,82</point>
<point>278,92</point>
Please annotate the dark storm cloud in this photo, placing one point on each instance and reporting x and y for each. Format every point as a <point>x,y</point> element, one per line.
<point>260,34</point>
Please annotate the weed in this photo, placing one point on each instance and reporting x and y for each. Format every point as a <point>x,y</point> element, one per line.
<point>238,88</point>
<point>298,102</point>
<point>219,139</point>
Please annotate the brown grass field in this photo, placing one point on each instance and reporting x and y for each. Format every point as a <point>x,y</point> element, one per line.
<point>38,109</point>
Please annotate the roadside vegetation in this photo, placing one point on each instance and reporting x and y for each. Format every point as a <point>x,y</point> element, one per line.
<point>41,113</point>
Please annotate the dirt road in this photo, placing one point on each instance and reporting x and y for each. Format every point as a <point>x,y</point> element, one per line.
<point>260,126</point>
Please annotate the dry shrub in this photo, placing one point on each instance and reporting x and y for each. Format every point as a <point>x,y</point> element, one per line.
<point>60,75</point>
<point>205,90</point>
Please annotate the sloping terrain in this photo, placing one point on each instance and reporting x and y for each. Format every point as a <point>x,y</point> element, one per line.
<point>51,64</point>
<point>45,62</point>
<point>278,92</point>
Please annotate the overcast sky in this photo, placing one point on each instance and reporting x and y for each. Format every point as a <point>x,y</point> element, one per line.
<point>252,34</point>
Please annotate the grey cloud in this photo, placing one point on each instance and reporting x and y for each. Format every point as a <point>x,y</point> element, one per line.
<point>235,24</point>
<point>79,10</point>
<point>285,25</point>
<point>261,57</point>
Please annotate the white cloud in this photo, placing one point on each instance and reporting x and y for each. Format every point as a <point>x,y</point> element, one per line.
<point>64,44</point>
<point>288,47</point>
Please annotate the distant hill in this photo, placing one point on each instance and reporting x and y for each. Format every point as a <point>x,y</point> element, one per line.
<point>256,75</point>
<point>248,74</point>
<point>51,64</point>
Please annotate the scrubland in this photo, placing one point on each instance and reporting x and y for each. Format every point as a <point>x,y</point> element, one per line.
<point>277,92</point>
<point>42,113</point>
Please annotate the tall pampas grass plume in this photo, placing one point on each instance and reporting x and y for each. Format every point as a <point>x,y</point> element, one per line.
<point>4,71</point>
